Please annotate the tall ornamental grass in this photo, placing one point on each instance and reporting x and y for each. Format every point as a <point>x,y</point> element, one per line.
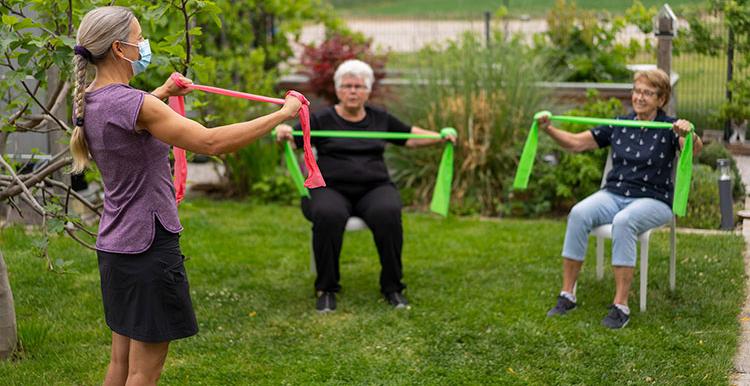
<point>488,95</point>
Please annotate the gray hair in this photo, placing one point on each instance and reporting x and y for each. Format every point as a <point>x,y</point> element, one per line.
<point>354,67</point>
<point>98,30</point>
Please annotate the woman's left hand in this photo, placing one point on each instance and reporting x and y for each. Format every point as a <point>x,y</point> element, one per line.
<point>681,127</point>
<point>451,138</point>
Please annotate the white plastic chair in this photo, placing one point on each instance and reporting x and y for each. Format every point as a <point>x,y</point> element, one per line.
<point>605,231</point>
<point>354,223</point>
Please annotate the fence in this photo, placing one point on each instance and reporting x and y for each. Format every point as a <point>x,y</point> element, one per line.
<point>702,78</point>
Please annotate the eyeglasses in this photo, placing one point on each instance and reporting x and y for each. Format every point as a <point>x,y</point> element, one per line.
<point>355,87</point>
<point>646,93</point>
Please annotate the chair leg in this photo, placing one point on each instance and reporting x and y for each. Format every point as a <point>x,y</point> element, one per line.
<point>673,257</point>
<point>644,274</point>
<point>599,258</point>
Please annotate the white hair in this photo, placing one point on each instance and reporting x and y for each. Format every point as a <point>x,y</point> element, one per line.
<point>354,67</point>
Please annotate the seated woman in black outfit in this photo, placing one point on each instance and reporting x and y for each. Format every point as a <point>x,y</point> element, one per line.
<point>358,184</point>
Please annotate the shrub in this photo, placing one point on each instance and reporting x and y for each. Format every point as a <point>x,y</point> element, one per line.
<point>582,47</point>
<point>252,164</point>
<point>715,151</point>
<point>275,188</point>
<point>320,62</point>
<point>561,178</point>
<point>703,205</point>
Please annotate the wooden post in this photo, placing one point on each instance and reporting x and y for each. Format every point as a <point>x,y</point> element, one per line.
<point>666,23</point>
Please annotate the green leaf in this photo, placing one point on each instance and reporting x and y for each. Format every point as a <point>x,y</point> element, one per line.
<point>24,24</point>
<point>56,225</point>
<point>9,20</point>
<point>24,58</point>
<point>195,31</point>
<point>40,243</point>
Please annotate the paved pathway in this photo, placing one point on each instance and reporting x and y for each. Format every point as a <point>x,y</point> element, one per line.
<point>741,375</point>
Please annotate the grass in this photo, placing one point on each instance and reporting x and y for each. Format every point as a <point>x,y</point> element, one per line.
<point>475,8</point>
<point>480,289</point>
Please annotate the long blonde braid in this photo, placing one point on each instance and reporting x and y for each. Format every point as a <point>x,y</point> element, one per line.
<point>78,146</point>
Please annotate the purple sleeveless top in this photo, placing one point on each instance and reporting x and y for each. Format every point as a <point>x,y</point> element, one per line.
<point>138,185</point>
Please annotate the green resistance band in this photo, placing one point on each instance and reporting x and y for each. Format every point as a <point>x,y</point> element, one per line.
<point>684,165</point>
<point>441,196</point>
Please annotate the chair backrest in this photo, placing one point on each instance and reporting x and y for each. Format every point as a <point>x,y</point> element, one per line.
<point>607,167</point>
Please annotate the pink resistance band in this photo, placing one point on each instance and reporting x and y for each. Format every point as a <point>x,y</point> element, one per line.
<point>314,178</point>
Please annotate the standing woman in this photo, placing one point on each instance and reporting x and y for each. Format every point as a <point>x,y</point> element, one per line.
<point>127,132</point>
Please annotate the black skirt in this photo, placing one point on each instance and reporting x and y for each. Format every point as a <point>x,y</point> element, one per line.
<point>146,295</point>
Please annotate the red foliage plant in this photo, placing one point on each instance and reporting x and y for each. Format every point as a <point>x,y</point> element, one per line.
<point>320,62</point>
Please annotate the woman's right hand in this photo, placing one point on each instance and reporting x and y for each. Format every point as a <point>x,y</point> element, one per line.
<point>283,133</point>
<point>291,106</point>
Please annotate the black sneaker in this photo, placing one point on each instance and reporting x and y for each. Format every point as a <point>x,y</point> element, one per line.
<point>326,302</point>
<point>562,307</point>
<point>397,300</point>
<point>616,318</point>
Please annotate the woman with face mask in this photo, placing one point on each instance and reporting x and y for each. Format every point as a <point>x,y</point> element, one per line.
<point>127,133</point>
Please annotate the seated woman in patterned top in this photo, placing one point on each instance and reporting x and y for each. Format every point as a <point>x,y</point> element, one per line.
<point>637,195</point>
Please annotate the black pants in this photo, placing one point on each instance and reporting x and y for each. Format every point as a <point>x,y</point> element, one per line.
<point>379,206</point>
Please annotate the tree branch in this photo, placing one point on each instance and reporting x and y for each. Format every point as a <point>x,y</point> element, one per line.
<point>69,222</point>
<point>72,234</point>
<point>33,96</point>
<point>32,201</point>
<point>70,18</point>
<point>186,17</point>
<point>34,178</point>
<point>75,194</point>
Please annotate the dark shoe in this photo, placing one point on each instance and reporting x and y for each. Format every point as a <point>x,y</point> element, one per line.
<point>615,318</point>
<point>326,302</point>
<point>562,307</point>
<point>397,300</point>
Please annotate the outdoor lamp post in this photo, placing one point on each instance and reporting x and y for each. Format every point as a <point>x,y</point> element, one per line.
<point>725,194</point>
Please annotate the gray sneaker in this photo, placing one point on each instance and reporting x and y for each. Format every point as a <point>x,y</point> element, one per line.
<point>615,319</point>
<point>397,300</point>
<point>326,302</point>
<point>562,307</point>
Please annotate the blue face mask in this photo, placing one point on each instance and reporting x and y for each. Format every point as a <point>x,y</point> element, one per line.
<point>144,50</point>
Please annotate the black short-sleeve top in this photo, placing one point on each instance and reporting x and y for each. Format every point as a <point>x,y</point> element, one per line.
<point>353,161</point>
<point>642,159</point>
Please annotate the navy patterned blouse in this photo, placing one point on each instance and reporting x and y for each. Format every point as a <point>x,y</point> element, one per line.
<point>642,159</point>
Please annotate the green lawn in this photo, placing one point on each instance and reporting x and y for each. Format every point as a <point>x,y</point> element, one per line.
<point>480,290</point>
<point>474,8</point>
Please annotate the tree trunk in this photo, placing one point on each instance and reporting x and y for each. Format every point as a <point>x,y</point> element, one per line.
<point>8,333</point>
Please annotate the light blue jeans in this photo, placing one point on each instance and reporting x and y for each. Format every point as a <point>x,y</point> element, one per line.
<point>629,216</point>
